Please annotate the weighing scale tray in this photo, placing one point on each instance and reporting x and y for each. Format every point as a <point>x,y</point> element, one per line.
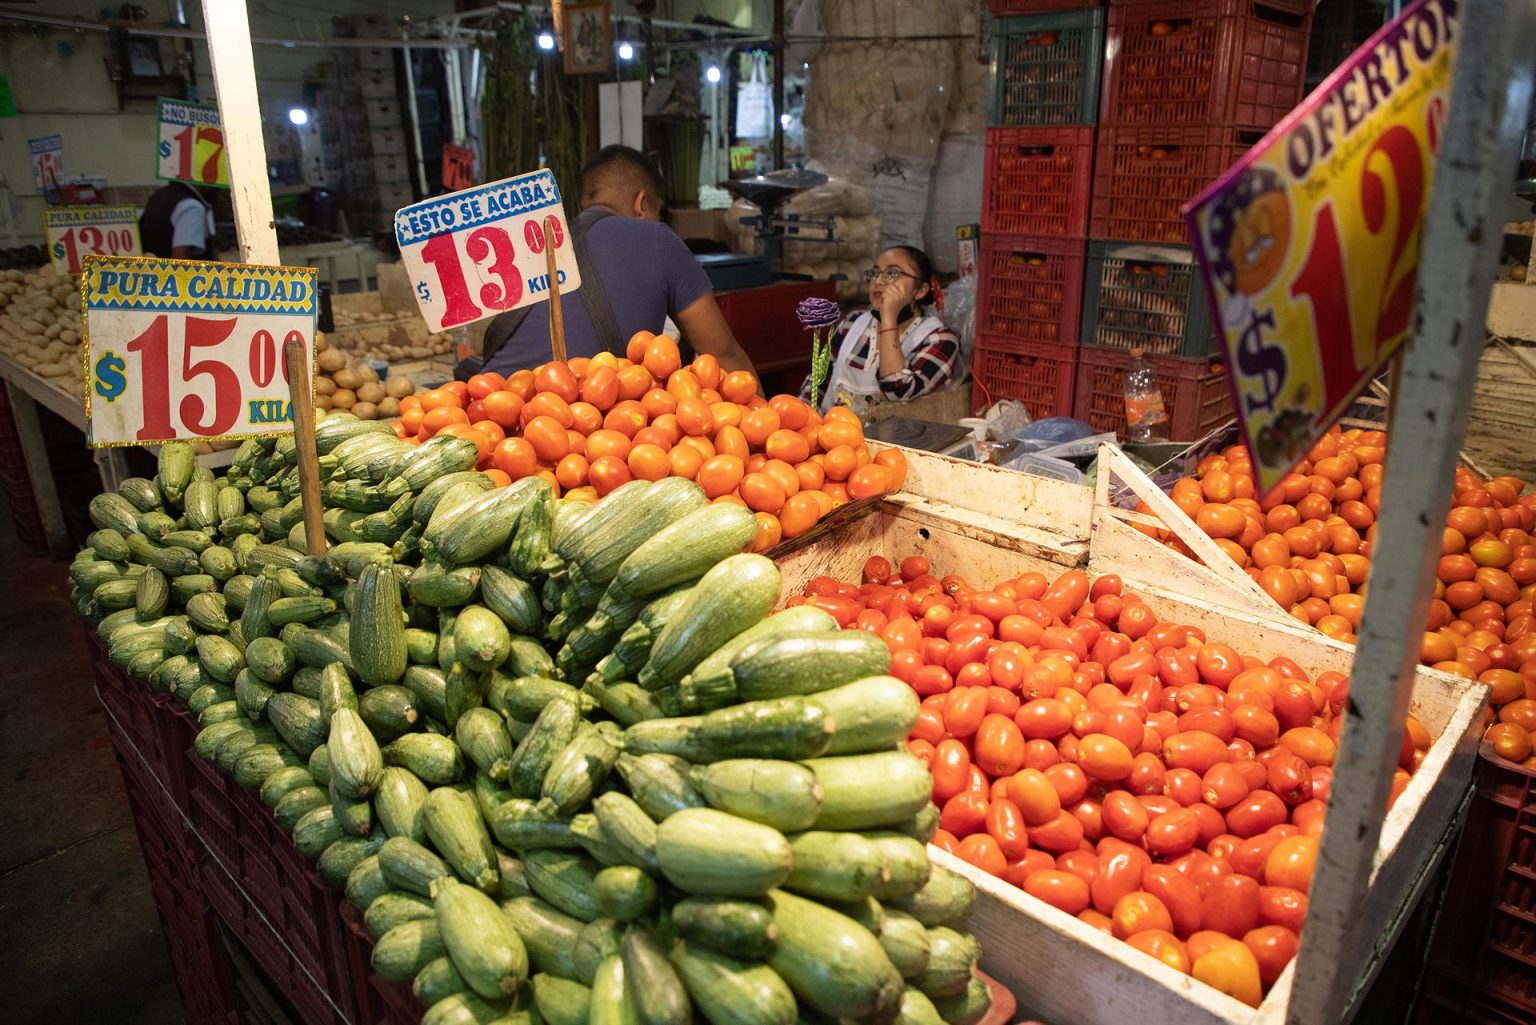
<point>924,435</point>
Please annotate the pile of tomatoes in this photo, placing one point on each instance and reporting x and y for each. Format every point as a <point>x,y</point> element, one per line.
<point>1308,544</point>
<point>590,425</point>
<point>1159,786</point>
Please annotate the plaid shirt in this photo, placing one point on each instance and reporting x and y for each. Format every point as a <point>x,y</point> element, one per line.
<point>934,363</point>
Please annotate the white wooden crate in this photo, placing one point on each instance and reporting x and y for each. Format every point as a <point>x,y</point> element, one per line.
<point>1060,968</point>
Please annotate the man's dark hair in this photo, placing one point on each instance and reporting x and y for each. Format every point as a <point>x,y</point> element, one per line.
<point>622,168</point>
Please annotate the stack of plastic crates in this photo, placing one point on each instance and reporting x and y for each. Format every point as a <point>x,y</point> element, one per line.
<point>1039,163</point>
<point>1189,87</point>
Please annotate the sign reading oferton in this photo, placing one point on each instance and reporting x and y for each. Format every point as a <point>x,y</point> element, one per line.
<point>75,232</point>
<point>480,252</point>
<point>1310,243</point>
<point>187,349</point>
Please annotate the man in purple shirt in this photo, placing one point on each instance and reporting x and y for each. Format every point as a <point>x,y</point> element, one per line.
<point>644,274</point>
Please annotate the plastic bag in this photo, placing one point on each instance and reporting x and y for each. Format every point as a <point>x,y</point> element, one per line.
<point>754,103</point>
<point>960,317</point>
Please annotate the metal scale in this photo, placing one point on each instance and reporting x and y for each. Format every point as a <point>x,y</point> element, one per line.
<point>768,192</point>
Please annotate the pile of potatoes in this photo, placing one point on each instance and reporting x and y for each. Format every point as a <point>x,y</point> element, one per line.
<point>40,326</point>
<point>344,383</point>
<point>365,346</point>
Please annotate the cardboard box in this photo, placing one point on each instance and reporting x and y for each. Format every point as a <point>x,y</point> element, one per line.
<point>702,224</point>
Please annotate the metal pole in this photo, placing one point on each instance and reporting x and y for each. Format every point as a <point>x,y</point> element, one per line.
<point>780,53</point>
<point>1491,86</point>
<point>410,97</point>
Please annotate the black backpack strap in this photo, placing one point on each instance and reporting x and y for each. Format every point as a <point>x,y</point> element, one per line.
<point>591,293</point>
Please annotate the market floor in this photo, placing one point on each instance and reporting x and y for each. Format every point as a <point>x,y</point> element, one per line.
<point>80,926</point>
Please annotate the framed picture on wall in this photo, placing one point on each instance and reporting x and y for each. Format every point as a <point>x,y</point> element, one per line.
<point>588,38</point>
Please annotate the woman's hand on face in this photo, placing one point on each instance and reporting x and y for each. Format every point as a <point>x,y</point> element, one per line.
<point>894,299</point>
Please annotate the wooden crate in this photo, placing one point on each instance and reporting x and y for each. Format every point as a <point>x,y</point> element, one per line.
<point>1060,968</point>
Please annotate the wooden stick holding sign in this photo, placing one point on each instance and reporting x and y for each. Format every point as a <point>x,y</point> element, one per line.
<point>301,390</point>
<point>556,312</point>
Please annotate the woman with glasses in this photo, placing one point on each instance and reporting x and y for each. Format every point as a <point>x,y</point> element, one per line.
<point>891,351</point>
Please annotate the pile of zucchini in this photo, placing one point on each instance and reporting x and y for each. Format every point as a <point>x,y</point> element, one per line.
<point>558,754</point>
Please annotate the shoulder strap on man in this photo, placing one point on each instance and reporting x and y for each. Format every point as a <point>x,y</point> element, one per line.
<point>591,293</point>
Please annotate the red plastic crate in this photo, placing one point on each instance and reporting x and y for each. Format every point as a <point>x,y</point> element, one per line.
<point>1236,62</point>
<point>1037,182</point>
<point>1195,392</point>
<point>1038,374</point>
<point>379,1001</point>
<point>1482,961</point>
<point>269,897</point>
<point>1143,176</point>
<point>1031,289</point>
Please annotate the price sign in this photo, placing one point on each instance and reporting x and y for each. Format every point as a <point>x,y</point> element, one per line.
<point>75,232</point>
<point>480,252</point>
<point>191,145</point>
<point>47,161</point>
<point>458,167</point>
<point>1310,243</point>
<point>186,349</point>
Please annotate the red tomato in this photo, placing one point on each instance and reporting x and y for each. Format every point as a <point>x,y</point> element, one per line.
<point>932,680</point>
<point>999,744</point>
<point>951,769</point>
<point>963,814</point>
<point>964,708</point>
<point>1005,823</point>
<point>1178,894</point>
<point>1120,871</point>
<point>1061,890</point>
<point>1231,905</point>
<point>982,851</point>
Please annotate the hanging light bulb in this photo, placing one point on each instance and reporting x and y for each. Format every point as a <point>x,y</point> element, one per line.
<point>298,116</point>
<point>626,52</point>
<point>546,41</point>
<point>712,74</point>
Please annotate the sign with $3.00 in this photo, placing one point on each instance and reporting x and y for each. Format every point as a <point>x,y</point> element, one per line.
<point>1310,243</point>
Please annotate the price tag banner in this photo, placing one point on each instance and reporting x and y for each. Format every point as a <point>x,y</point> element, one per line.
<point>1310,244</point>
<point>186,349</point>
<point>191,145</point>
<point>458,167</point>
<point>75,232</point>
<point>47,161</point>
<point>476,253</point>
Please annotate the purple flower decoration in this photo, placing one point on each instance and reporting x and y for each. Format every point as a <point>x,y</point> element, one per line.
<point>815,314</point>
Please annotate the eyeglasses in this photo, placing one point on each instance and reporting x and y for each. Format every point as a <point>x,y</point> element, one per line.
<point>888,274</point>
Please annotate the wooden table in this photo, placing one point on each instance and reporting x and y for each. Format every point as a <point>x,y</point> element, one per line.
<point>29,390</point>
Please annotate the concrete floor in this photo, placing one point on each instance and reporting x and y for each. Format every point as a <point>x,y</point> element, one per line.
<point>80,927</point>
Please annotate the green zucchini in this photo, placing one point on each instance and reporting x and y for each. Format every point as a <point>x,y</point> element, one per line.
<point>316,831</point>
<point>561,1001</point>
<point>456,829</point>
<point>778,728</point>
<point>434,759</point>
<point>320,765</point>
<point>805,663</point>
<point>389,711</point>
<point>338,860</point>
<point>524,697</point>
<point>354,816</point>
<point>945,899</point>
<point>916,1009</point>
<point>623,893</point>
<point>377,638</point>
<point>580,768</point>
<point>436,585</point>
<point>511,598</point>
<point>651,984</point>
<point>732,992</point>
<point>610,1000</point>
<point>905,941</point>
<point>784,795</point>
<point>553,730</point>
<point>410,866</point>
<point>712,684</point>
<point>220,659</point>
<point>660,783</point>
<point>835,866</point>
<point>737,928</point>
<point>482,942</point>
<point>405,950</point>
<point>682,551</point>
<point>598,940</point>
<point>151,592</point>
<point>907,862</point>
<point>270,660</point>
<point>527,657</point>
<point>299,721</point>
<point>294,805</point>
<point>437,981</point>
<point>732,596</point>
<point>420,647</point>
<point>549,934</point>
<point>522,825</point>
<point>392,908</point>
<point>484,741</point>
<point>628,827</point>
<point>870,790</point>
<point>463,689</point>
<point>833,963</point>
<point>514,881</point>
<point>366,883</point>
<point>969,1008</point>
<point>530,553</point>
<point>565,879</point>
<point>258,762</point>
<point>468,1008</point>
<point>356,762</point>
<point>471,530</point>
<point>481,640</point>
<point>400,800</point>
<point>284,781</point>
<point>711,853</point>
<point>872,714</point>
<point>951,963</point>
<point>628,703</point>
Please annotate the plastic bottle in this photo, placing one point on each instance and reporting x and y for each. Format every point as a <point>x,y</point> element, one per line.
<point>1144,412</point>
